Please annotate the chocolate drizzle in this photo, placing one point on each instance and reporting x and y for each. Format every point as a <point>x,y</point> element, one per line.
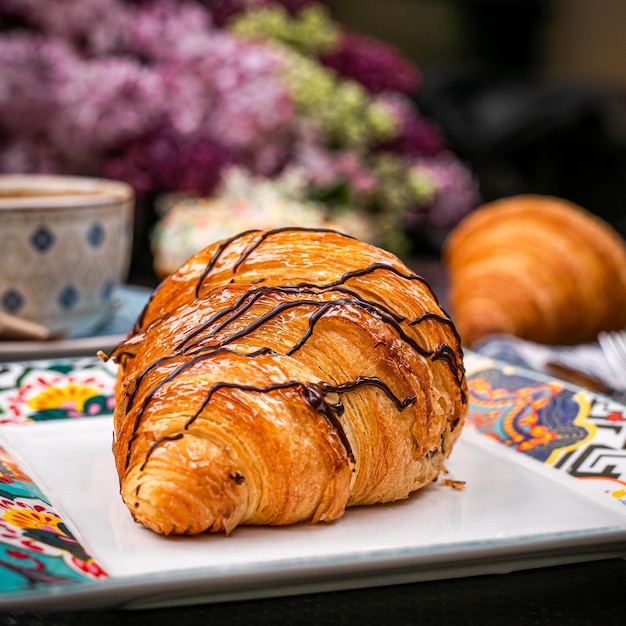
<point>319,300</point>
<point>314,393</point>
<point>156,444</point>
<point>218,253</point>
<point>252,247</point>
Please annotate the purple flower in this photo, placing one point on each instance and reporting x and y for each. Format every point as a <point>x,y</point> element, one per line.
<point>104,104</point>
<point>169,32</point>
<point>165,161</point>
<point>93,27</point>
<point>454,190</point>
<point>33,71</point>
<point>223,10</point>
<point>418,137</point>
<point>30,155</point>
<point>376,65</point>
<point>233,91</point>
<point>160,94</point>
<point>252,114</point>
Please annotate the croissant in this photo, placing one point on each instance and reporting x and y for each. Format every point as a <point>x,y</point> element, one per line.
<point>536,267</point>
<point>280,376</point>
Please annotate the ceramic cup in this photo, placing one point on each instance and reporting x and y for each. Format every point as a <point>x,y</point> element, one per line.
<point>65,246</point>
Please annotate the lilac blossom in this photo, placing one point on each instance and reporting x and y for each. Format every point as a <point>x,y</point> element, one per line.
<point>376,65</point>
<point>30,155</point>
<point>327,169</point>
<point>161,93</point>
<point>418,137</point>
<point>454,191</point>
<point>93,27</point>
<point>106,103</point>
<point>33,70</point>
<point>223,10</point>
<point>170,32</point>
<point>166,161</point>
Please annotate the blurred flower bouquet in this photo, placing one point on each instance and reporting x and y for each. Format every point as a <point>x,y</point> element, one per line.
<point>172,95</point>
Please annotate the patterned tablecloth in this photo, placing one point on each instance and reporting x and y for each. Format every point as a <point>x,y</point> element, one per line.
<point>575,433</point>
<point>36,546</point>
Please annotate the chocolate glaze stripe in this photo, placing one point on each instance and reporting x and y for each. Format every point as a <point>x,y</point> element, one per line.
<point>324,307</point>
<point>244,255</point>
<point>198,349</point>
<point>304,285</point>
<point>273,387</point>
<point>268,233</point>
<point>315,395</point>
<point>171,376</point>
<point>171,357</point>
<point>326,287</point>
<point>199,346</point>
<point>344,278</point>
<point>444,351</point>
<point>154,446</point>
<point>444,320</point>
<point>249,298</point>
<point>216,255</point>
<point>370,269</point>
<point>388,268</point>
<point>139,379</point>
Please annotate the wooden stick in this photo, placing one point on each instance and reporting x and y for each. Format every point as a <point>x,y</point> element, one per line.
<point>13,327</point>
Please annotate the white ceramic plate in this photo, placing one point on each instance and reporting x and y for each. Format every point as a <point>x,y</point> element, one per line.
<point>128,302</point>
<point>512,514</point>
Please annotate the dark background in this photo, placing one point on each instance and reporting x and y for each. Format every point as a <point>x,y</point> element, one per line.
<point>531,93</point>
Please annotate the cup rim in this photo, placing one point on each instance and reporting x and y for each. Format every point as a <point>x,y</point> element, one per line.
<point>92,191</point>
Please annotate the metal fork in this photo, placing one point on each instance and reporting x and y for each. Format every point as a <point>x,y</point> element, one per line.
<point>613,345</point>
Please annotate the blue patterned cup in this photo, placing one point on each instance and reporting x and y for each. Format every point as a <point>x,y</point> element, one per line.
<point>65,245</point>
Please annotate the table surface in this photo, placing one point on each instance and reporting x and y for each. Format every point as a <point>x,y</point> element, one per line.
<point>583,593</point>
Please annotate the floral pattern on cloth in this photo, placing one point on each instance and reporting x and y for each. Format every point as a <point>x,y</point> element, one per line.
<point>37,548</point>
<point>47,390</point>
<point>579,433</point>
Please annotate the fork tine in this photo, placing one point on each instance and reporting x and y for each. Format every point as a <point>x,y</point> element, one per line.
<point>613,345</point>
<point>620,341</point>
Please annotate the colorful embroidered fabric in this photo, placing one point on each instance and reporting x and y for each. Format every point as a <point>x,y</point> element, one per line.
<point>47,390</point>
<point>36,546</point>
<point>577,432</point>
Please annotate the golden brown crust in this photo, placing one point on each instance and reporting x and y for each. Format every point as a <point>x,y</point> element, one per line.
<point>536,267</point>
<point>268,401</point>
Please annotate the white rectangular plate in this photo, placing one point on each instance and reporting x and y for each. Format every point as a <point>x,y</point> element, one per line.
<point>510,515</point>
